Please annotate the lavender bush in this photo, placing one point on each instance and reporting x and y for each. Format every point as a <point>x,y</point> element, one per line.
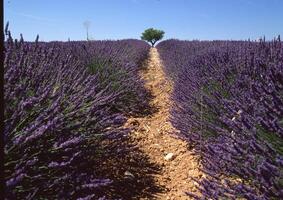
<point>228,103</point>
<point>62,115</point>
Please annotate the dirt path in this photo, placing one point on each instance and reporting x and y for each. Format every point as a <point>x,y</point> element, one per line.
<point>152,137</point>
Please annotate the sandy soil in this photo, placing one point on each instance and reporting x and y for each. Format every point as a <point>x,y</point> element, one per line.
<point>153,137</point>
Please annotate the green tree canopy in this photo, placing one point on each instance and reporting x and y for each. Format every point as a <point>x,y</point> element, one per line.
<point>152,35</point>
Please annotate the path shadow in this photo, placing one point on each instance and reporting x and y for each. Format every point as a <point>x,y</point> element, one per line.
<point>126,165</point>
<point>142,106</point>
<point>132,174</point>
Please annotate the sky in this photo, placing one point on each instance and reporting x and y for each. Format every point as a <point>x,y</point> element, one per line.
<point>121,19</point>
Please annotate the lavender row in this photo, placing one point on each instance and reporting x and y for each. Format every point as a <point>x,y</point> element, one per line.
<point>65,104</point>
<point>228,103</point>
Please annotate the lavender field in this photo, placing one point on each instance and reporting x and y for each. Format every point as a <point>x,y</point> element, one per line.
<point>228,105</point>
<point>63,100</point>
<point>67,106</point>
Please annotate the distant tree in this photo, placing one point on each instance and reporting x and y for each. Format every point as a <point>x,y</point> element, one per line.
<point>152,35</point>
<point>87,25</point>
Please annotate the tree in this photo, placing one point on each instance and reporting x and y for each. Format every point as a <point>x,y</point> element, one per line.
<point>87,25</point>
<point>152,35</point>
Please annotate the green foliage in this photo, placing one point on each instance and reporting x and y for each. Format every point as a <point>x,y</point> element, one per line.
<point>98,64</point>
<point>274,140</point>
<point>108,74</point>
<point>152,35</point>
<point>207,114</point>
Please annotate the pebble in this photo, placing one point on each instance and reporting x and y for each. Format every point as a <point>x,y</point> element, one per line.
<point>169,156</point>
<point>129,174</point>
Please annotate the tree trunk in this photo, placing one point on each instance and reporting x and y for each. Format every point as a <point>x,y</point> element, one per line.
<point>87,34</point>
